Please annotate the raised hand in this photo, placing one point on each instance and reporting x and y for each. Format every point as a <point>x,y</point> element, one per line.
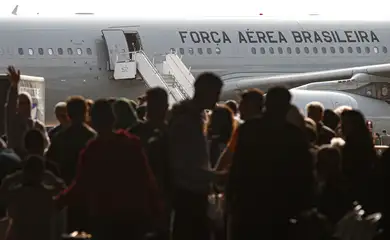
<point>14,77</point>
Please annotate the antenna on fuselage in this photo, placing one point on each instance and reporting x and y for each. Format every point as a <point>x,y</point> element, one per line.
<point>15,11</point>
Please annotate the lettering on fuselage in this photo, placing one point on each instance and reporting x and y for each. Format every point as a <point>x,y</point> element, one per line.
<point>350,36</point>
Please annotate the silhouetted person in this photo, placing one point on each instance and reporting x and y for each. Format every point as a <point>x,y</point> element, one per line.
<point>34,144</point>
<point>220,131</point>
<point>153,133</point>
<point>65,150</point>
<point>315,111</point>
<point>251,104</point>
<point>28,195</point>
<point>271,178</point>
<point>359,159</point>
<point>333,199</point>
<point>62,118</point>
<point>114,181</point>
<point>190,160</point>
<point>331,119</point>
<point>125,115</point>
<point>18,114</point>
<point>233,106</point>
<point>9,163</point>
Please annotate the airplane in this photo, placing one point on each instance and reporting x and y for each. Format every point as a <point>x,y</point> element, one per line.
<point>78,55</point>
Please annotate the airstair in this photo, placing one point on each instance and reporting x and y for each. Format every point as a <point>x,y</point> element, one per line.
<point>173,76</point>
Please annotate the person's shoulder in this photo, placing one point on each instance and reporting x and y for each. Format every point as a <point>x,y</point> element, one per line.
<point>9,154</point>
<point>328,130</point>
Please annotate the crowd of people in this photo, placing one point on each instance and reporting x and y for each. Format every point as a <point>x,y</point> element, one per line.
<point>257,169</point>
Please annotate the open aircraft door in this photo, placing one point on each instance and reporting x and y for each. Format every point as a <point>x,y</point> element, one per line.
<point>118,50</point>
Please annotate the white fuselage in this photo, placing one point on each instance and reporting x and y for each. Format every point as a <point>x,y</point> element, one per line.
<point>71,54</point>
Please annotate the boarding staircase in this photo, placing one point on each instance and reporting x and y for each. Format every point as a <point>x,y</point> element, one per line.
<point>172,74</point>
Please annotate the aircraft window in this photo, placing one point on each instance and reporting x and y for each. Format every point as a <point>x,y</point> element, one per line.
<point>60,51</point>
<point>40,51</point>
<point>323,49</point>
<point>70,51</point>
<point>280,50</point>
<point>79,51</point>
<point>218,50</point>
<point>253,50</point>
<point>350,50</point>
<point>271,50</point>
<point>20,50</point>
<point>262,50</point>
<point>341,49</point>
<point>376,50</point>
<point>191,51</point>
<point>30,51</point>
<point>209,51</point>
<point>181,51</point>
<point>289,50</point>
<point>367,50</point>
<point>358,49</point>
<point>50,51</point>
<point>306,49</point>
<point>315,50</point>
<point>1,51</point>
<point>332,50</point>
<point>297,50</point>
<point>89,51</point>
<point>200,50</point>
<point>384,49</point>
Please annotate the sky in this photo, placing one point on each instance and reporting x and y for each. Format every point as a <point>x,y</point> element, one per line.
<point>330,8</point>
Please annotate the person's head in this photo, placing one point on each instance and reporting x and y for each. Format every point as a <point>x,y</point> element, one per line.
<point>221,122</point>
<point>315,111</point>
<point>233,106</point>
<point>24,104</point>
<point>353,126</point>
<point>102,116</point>
<point>341,109</point>
<point>157,104</point>
<point>61,113</point>
<point>34,142</point>
<point>277,102</point>
<point>125,115</point>
<point>33,169</point>
<point>328,161</point>
<point>251,104</point>
<point>207,90</point>
<point>311,130</point>
<point>331,119</point>
<point>76,107</point>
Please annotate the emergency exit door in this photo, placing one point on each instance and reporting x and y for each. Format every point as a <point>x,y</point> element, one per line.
<point>118,49</point>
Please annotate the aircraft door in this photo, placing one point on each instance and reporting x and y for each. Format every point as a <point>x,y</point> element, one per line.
<point>117,46</point>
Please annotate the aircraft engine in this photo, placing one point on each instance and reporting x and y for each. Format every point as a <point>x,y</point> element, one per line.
<point>375,110</point>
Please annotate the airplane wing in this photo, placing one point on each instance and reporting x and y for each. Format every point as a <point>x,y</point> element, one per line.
<point>299,79</point>
<point>366,88</point>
